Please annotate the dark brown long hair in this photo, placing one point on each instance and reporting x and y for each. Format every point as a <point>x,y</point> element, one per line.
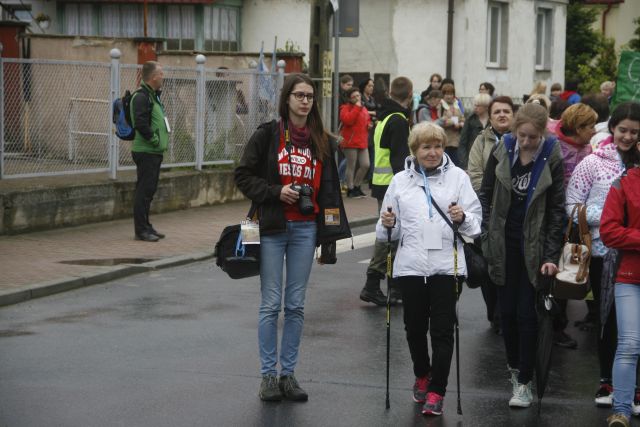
<point>631,111</point>
<point>319,137</point>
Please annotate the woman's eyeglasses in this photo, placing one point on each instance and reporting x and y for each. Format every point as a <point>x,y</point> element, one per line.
<point>299,96</point>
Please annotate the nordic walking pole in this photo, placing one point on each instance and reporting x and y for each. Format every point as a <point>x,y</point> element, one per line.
<point>387,404</point>
<point>457,284</point>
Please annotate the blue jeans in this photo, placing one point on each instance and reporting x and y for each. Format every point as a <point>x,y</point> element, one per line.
<point>624,365</point>
<point>298,244</point>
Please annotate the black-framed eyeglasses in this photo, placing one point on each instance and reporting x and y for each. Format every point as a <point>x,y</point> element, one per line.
<point>299,96</point>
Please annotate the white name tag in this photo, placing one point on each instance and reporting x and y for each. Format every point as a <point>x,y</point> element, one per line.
<point>166,123</point>
<point>431,235</point>
<point>250,232</point>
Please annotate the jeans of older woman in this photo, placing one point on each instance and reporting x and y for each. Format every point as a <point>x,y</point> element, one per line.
<point>624,365</point>
<point>296,246</point>
<point>516,300</point>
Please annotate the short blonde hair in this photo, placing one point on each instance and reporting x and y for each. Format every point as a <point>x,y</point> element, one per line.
<point>539,87</point>
<point>577,116</point>
<point>426,132</point>
<point>483,99</point>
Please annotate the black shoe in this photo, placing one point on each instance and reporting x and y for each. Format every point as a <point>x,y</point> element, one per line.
<point>351,193</point>
<point>291,389</point>
<point>373,295</point>
<point>160,235</point>
<point>147,237</point>
<point>561,339</point>
<point>358,192</point>
<point>269,389</point>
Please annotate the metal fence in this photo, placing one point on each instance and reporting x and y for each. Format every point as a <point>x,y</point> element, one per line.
<point>56,116</point>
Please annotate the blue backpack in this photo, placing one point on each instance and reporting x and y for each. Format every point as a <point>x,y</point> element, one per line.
<point>122,116</point>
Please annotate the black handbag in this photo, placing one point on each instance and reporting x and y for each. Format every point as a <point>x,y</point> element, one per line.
<point>477,266</point>
<point>233,257</point>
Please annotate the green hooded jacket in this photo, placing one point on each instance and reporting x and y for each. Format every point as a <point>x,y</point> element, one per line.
<point>544,218</point>
<point>156,127</point>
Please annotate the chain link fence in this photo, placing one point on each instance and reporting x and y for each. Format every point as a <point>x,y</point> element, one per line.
<point>56,116</point>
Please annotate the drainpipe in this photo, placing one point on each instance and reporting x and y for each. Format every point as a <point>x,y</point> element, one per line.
<point>604,18</point>
<point>450,12</point>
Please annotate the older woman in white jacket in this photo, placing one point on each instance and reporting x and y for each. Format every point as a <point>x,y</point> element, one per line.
<point>424,263</point>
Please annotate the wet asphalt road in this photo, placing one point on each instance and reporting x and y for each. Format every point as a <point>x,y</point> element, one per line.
<point>178,347</point>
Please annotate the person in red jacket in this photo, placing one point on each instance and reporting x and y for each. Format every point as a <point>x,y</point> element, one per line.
<point>620,229</point>
<point>356,123</point>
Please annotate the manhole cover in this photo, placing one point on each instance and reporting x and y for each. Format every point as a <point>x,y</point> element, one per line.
<point>108,261</point>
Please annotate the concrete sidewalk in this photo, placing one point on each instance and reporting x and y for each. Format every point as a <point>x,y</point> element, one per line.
<point>43,263</point>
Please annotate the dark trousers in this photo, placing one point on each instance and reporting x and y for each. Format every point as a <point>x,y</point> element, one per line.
<point>518,315</point>
<point>148,171</point>
<point>430,306</point>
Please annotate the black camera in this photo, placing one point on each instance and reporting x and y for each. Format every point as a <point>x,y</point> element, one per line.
<point>305,204</point>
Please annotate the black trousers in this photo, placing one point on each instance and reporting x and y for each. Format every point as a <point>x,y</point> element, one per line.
<point>148,171</point>
<point>430,306</point>
<point>516,300</point>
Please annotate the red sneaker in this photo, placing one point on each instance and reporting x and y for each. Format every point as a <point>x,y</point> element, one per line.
<point>434,404</point>
<point>420,389</point>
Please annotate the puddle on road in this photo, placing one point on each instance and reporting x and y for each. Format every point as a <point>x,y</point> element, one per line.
<point>108,262</point>
<point>8,333</point>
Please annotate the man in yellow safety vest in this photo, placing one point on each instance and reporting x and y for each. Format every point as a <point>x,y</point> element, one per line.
<point>391,149</point>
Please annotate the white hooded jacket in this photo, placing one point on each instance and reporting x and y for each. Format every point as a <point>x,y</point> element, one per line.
<point>407,197</point>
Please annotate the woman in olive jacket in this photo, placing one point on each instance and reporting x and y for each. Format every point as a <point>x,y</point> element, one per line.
<point>522,197</point>
<point>289,173</point>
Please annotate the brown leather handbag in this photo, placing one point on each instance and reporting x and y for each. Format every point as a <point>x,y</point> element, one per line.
<point>572,280</point>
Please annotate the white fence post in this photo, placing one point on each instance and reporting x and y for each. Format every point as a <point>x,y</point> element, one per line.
<point>114,155</point>
<point>200,99</point>
<point>1,114</point>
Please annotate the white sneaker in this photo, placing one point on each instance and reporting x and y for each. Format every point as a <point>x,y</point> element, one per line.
<point>522,396</point>
<point>635,407</point>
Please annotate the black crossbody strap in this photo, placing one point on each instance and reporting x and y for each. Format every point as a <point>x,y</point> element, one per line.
<point>446,219</point>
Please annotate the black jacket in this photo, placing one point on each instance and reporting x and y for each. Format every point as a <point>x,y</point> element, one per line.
<point>258,179</point>
<point>395,137</point>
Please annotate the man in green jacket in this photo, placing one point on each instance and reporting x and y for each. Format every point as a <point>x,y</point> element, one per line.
<point>150,143</point>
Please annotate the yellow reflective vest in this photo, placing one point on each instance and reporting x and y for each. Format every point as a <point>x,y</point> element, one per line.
<point>382,171</point>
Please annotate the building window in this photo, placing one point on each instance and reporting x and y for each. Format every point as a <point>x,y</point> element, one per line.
<point>20,12</point>
<point>221,28</point>
<point>181,27</point>
<point>497,33</point>
<point>185,27</point>
<point>544,38</point>
<point>79,20</point>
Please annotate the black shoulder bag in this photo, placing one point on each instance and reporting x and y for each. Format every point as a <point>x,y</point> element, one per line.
<point>236,259</point>
<point>477,267</point>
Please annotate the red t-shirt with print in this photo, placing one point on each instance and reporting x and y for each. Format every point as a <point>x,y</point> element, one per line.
<point>303,173</point>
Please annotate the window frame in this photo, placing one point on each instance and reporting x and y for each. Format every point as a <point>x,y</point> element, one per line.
<point>544,39</point>
<point>501,34</point>
<point>197,43</point>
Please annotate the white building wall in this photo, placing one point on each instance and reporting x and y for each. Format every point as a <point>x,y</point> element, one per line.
<point>619,21</point>
<point>262,20</point>
<point>408,37</point>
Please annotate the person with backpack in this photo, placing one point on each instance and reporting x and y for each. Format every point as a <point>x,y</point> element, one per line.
<point>149,144</point>
<point>391,149</point>
<point>522,197</point>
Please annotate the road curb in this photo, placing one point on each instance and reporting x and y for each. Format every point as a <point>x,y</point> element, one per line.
<point>51,287</point>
